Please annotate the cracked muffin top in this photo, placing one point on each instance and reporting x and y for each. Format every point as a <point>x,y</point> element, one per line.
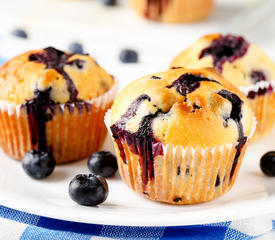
<point>63,77</point>
<point>240,62</point>
<point>181,107</point>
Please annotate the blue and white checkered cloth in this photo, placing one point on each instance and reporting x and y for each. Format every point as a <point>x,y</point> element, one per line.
<point>16,225</point>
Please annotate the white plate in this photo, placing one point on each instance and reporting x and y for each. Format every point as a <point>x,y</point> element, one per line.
<point>253,194</point>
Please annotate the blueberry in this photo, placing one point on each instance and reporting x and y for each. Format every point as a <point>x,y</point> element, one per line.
<point>88,190</point>
<point>128,56</point>
<point>103,164</point>
<point>38,164</point>
<point>257,76</point>
<point>19,33</point>
<point>76,47</point>
<point>109,2</point>
<point>225,49</point>
<point>267,164</point>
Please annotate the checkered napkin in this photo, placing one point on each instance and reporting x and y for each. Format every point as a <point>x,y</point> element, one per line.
<point>15,225</point>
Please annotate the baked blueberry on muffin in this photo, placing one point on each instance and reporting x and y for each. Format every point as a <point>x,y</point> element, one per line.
<point>242,63</point>
<point>172,10</point>
<point>53,101</point>
<point>180,135</point>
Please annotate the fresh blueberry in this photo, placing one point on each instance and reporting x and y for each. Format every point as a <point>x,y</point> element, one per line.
<point>103,164</point>
<point>128,56</point>
<point>88,190</point>
<point>267,164</point>
<point>76,47</point>
<point>109,2</point>
<point>38,164</point>
<point>19,33</point>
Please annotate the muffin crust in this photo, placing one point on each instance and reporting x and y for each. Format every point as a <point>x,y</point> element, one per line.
<point>67,77</point>
<point>190,114</point>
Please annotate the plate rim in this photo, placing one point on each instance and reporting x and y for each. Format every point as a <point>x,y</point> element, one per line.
<point>40,212</point>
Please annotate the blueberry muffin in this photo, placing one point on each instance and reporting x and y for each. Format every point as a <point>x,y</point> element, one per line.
<point>180,135</point>
<point>173,11</point>
<point>242,63</point>
<point>53,101</point>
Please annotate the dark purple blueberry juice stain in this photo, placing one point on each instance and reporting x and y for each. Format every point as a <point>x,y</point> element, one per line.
<point>176,67</point>
<point>259,76</point>
<point>188,83</point>
<point>187,171</point>
<point>262,91</point>
<point>142,142</point>
<point>160,5</point>
<point>195,106</point>
<point>56,59</point>
<point>236,115</point>
<point>77,62</point>
<point>225,48</point>
<point>178,170</point>
<point>41,108</point>
<point>36,110</point>
<point>131,111</point>
<point>155,77</point>
<point>177,199</point>
<point>217,181</point>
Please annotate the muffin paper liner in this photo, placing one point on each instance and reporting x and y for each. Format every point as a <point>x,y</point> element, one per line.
<point>263,107</point>
<point>183,175</point>
<point>75,131</point>
<point>173,10</point>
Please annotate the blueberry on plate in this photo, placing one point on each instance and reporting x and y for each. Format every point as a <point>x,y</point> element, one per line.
<point>128,56</point>
<point>88,190</point>
<point>109,2</point>
<point>19,33</point>
<point>267,164</point>
<point>76,47</point>
<point>38,164</point>
<point>103,164</point>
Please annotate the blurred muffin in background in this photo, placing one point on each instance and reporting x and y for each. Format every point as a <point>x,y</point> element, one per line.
<point>174,11</point>
<point>242,63</point>
<point>53,101</point>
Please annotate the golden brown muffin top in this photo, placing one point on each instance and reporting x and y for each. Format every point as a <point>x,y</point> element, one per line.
<point>239,62</point>
<point>182,107</point>
<point>64,76</point>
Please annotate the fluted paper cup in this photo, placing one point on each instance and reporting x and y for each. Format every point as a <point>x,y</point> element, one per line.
<point>75,131</point>
<point>183,175</point>
<point>263,105</point>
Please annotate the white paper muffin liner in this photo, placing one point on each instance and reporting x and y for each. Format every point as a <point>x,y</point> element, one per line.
<point>256,87</point>
<point>75,131</point>
<point>263,107</point>
<point>183,175</point>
